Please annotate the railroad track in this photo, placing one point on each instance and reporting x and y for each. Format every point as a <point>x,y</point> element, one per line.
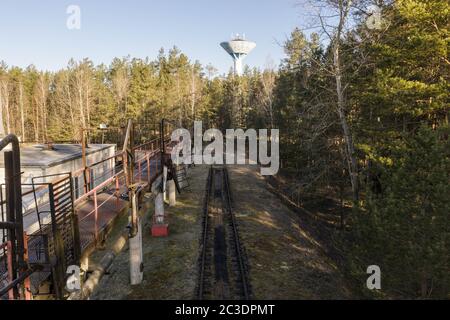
<point>223,270</point>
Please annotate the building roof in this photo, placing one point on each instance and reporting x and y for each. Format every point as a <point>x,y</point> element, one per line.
<point>40,156</point>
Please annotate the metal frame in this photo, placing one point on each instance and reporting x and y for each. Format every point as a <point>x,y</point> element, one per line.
<point>134,161</point>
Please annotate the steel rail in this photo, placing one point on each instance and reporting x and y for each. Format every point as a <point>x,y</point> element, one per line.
<point>236,236</point>
<point>205,234</point>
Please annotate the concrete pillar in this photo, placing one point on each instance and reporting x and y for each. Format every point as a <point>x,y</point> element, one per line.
<point>172,193</point>
<point>136,269</point>
<point>165,183</point>
<point>159,208</point>
<point>136,266</point>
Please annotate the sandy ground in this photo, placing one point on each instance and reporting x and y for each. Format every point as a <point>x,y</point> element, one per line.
<point>286,261</point>
<point>170,264</point>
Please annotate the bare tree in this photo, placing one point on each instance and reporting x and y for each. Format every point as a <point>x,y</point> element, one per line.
<point>22,111</point>
<point>4,97</point>
<point>193,91</point>
<point>40,95</point>
<point>78,89</point>
<point>3,100</point>
<point>121,83</point>
<point>65,98</point>
<point>268,81</point>
<point>333,19</point>
<point>211,71</point>
<point>87,97</point>
<point>64,102</point>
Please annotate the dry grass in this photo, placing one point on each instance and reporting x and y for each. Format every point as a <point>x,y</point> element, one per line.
<point>286,261</point>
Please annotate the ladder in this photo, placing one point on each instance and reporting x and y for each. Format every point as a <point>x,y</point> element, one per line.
<point>57,242</point>
<point>179,174</point>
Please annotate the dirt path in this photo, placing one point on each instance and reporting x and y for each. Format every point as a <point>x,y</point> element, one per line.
<point>286,262</point>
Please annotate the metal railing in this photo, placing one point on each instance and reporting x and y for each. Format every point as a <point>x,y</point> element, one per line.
<point>113,181</point>
<point>110,176</point>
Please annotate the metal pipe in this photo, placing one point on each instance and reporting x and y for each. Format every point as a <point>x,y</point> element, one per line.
<point>13,140</point>
<point>96,216</point>
<point>13,284</point>
<point>8,225</point>
<point>93,280</point>
<point>117,192</point>
<point>148,168</point>
<point>14,198</point>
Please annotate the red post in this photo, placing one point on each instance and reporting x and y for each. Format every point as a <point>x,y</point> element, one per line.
<point>96,215</point>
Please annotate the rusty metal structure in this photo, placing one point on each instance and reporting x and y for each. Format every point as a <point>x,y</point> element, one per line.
<point>56,244</point>
<point>77,210</point>
<point>14,267</point>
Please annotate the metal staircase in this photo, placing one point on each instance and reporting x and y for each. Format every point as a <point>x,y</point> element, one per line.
<point>180,177</point>
<point>56,245</point>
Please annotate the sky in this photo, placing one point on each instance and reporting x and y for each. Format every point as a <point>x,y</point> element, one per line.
<point>35,32</point>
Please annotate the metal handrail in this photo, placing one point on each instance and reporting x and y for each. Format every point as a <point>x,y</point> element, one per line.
<point>99,187</point>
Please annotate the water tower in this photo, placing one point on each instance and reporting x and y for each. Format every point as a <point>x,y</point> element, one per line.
<point>238,48</point>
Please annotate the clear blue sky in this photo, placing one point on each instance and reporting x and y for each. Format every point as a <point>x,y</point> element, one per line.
<point>35,32</point>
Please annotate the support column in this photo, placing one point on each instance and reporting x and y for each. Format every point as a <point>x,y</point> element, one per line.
<point>136,266</point>
<point>172,193</point>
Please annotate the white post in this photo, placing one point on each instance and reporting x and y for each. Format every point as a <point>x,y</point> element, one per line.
<point>172,193</point>
<point>136,272</point>
<point>159,208</point>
